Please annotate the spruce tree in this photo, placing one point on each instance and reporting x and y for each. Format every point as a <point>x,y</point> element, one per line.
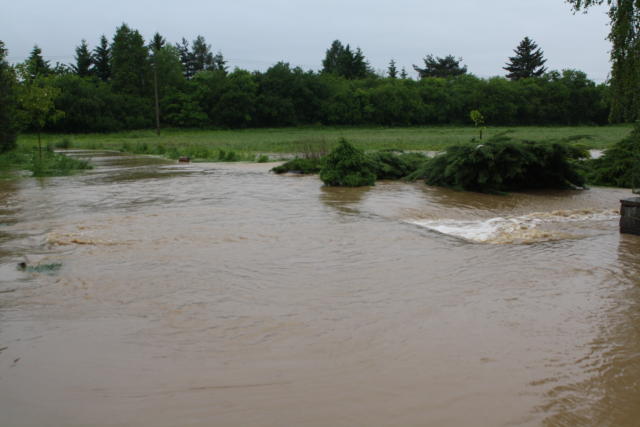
<point>445,67</point>
<point>527,63</point>
<point>392,70</point>
<point>37,65</point>
<point>131,68</point>
<point>220,63</point>
<point>186,58</point>
<point>331,59</point>
<point>403,74</point>
<point>84,60</point>
<point>102,60</point>
<point>342,61</point>
<point>157,43</point>
<point>9,126</point>
<point>202,56</point>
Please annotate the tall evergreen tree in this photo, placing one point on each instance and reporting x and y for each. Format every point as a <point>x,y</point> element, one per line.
<point>403,73</point>
<point>37,65</point>
<point>84,60</point>
<point>202,56</point>
<point>392,70</point>
<point>186,58</point>
<point>9,126</point>
<point>527,63</point>
<point>132,72</point>
<point>342,61</point>
<point>157,43</point>
<point>220,63</point>
<point>445,67</point>
<point>102,60</point>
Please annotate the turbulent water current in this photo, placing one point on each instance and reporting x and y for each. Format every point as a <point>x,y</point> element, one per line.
<point>162,294</point>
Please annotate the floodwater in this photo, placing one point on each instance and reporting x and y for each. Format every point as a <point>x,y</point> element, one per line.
<point>159,294</point>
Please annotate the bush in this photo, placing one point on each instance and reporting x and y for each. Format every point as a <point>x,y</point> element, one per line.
<point>346,166</point>
<point>263,159</point>
<point>387,164</point>
<point>503,164</point>
<point>615,168</point>
<point>304,166</point>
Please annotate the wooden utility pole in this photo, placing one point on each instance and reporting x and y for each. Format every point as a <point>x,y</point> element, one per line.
<point>155,84</point>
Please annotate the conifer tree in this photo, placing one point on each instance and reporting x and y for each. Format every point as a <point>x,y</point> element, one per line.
<point>132,72</point>
<point>102,60</point>
<point>403,73</point>
<point>392,70</point>
<point>84,60</point>
<point>527,63</point>
<point>220,63</point>
<point>331,59</point>
<point>342,61</point>
<point>157,43</point>
<point>186,58</point>
<point>445,67</point>
<point>37,65</point>
<point>202,56</point>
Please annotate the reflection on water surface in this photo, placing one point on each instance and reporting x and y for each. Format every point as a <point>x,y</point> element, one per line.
<point>220,294</point>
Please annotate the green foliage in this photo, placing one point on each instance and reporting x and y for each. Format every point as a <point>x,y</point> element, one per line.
<point>616,167</point>
<point>393,164</point>
<point>102,60</point>
<point>527,63</point>
<point>447,67</point>
<point>478,120</point>
<point>392,70</point>
<point>346,166</point>
<point>56,165</point>
<point>263,159</point>
<point>9,124</point>
<point>131,69</point>
<point>84,61</point>
<point>503,164</point>
<point>342,61</point>
<point>300,165</point>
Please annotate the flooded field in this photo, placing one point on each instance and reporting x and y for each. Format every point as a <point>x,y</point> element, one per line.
<point>217,294</point>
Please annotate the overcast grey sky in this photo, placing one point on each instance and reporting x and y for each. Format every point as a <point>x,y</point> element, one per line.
<point>254,34</point>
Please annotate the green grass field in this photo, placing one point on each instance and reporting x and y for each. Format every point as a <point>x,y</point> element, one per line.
<point>287,140</point>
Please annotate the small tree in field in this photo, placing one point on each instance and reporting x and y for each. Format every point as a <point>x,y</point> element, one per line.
<point>36,104</point>
<point>345,166</point>
<point>478,120</point>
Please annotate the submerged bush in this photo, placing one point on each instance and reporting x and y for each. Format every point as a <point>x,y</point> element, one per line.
<point>263,159</point>
<point>303,166</point>
<point>393,164</point>
<point>615,167</point>
<point>346,166</point>
<point>503,164</point>
<point>57,165</point>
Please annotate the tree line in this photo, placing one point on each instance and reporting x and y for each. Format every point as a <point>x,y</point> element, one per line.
<point>110,88</point>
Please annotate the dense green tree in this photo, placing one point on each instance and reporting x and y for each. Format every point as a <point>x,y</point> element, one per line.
<point>84,61</point>
<point>186,58</point>
<point>169,69</point>
<point>219,63</point>
<point>102,60</point>
<point>131,68</point>
<point>9,125</point>
<point>392,70</point>
<point>528,61</point>
<point>342,61</point>
<point>37,65</point>
<point>157,43</point>
<point>202,56</point>
<point>625,54</point>
<point>448,66</point>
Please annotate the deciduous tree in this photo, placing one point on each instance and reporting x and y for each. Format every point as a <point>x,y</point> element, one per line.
<point>9,125</point>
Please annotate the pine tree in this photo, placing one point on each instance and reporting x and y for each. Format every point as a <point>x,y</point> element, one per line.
<point>392,70</point>
<point>186,58</point>
<point>360,68</point>
<point>102,60</point>
<point>132,72</point>
<point>84,60</point>
<point>331,59</point>
<point>202,56</point>
<point>527,63</point>
<point>342,61</point>
<point>403,74</point>
<point>37,65</point>
<point>445,67</point>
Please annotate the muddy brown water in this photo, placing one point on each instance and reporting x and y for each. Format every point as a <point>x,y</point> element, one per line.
<point>210,294</point>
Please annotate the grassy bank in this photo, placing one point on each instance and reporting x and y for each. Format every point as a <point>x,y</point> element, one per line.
<point>288,140</point>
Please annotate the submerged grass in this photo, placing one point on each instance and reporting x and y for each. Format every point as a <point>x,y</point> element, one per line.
<point>25,158</point>
<point>295,140</point>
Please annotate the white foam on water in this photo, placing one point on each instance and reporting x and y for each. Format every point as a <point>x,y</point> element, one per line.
<point>520,229</point>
